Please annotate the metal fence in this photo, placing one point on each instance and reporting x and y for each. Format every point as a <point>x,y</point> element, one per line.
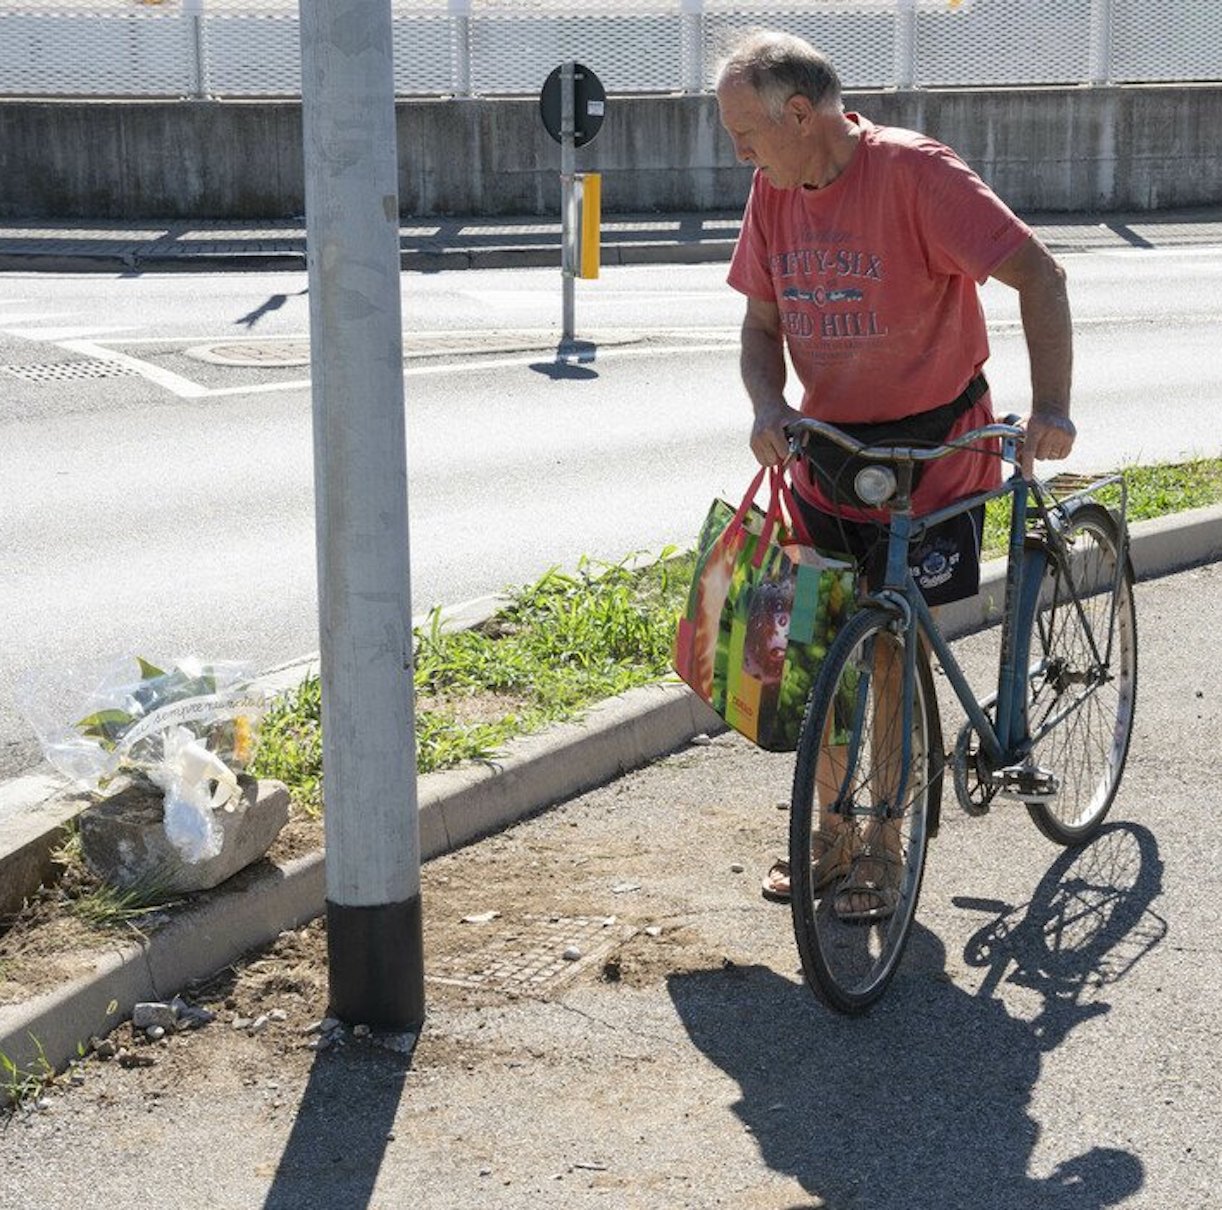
<point>250,48</point>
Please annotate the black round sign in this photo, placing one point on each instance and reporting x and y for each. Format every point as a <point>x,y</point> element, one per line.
<point>589,103</point>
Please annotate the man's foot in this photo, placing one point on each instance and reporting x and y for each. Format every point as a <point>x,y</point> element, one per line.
<point>872,889</point>
<point>833,855</point>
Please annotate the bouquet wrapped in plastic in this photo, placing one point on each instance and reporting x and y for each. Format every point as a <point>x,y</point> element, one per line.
<point>189,728</point>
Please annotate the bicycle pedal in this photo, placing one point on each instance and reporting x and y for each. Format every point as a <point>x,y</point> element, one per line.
<point>1029,783</point>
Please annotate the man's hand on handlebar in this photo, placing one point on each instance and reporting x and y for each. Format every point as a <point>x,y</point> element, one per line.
<point>769,443</point>
<point>1050,436</point>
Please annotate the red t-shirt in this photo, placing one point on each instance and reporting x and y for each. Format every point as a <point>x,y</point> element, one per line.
<point>875,276</point>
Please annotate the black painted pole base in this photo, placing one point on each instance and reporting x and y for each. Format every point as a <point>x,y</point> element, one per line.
<point>375,961</point>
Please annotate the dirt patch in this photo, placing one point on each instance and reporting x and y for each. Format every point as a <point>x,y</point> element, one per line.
<point>592,892</point>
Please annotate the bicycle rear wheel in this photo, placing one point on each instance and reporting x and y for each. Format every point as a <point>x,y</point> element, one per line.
<point>853,910</point>
<point>1083,679</point>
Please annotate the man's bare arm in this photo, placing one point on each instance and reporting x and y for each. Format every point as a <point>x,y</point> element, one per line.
<point>1048,328</point>
<point>762,364</point>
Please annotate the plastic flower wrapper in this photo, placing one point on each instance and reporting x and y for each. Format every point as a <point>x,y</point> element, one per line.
<point>189,728</point>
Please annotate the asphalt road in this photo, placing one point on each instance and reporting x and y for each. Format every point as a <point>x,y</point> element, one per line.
<point>165,506</point>
<point>1051,1039</point>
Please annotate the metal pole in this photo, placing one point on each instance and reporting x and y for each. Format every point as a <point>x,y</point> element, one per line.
<point>1101,42</point>
<point>691,19</point>
<point>460,18</point>
<point>905,44</point>
<point>374,935</point>
<point>568,225</point>
<point>193,11</point>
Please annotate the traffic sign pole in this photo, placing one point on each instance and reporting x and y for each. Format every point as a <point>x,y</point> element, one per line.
<point>572,104</point>
<point>568,225</point>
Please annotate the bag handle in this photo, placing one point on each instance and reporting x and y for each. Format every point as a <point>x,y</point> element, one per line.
<point>796,525</point>
<point>736,522</point>
<point>781,510</point>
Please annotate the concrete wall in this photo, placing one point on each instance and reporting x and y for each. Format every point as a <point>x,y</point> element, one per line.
<point>1070,149</point>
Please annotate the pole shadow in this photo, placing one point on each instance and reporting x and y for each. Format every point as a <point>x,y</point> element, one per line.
<point>272,303</point>
<point>573,361</point>
<point>925,1102</point>
<point>340,1134</point>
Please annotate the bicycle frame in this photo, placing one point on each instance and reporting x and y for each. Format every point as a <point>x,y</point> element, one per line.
<point>1006,739</point>
<point>1057,633</point>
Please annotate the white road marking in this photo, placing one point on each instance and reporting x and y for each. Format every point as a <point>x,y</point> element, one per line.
<point>666,342</point>
<point>1194,250</point>
<point>25,317</point>
<point>53,335</point>
<point>184,388</point>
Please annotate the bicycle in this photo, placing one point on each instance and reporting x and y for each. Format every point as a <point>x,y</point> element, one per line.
<point>1054,736</point>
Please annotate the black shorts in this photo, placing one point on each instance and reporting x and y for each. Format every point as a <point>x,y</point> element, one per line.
<point>945,560</point>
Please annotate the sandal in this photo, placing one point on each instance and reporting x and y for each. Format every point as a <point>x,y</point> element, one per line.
<point>834,863</point>
<point>880,896</point>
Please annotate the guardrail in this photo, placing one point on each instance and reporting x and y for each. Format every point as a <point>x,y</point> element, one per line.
<point>250,48</point>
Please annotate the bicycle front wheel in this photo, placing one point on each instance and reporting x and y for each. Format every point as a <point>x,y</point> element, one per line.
<point>860,815</point>
<point>1083,678</point>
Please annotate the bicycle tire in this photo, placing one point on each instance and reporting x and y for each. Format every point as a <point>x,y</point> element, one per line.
<point>1088,747</point>
<point>848,964</point>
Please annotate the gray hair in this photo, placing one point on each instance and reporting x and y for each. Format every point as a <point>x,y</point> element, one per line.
<point>779,66</point>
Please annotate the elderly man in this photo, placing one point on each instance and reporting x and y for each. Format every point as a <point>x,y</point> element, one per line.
<point>861,251</point>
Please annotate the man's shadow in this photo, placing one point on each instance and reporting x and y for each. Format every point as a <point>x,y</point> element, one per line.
<point>924,1102</point>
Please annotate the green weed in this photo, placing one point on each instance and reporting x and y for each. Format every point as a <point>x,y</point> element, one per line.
<point>558,646</point>
<point>290,745</point>
<point>19,1086</point>
<point>107,907</point>
<point>1153,491</point>
<point>98,904</point>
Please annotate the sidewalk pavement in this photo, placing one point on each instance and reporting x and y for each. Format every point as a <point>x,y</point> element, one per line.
<point>430,245</point>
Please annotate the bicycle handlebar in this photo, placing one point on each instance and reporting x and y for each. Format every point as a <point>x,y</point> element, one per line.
<point>892,453</point>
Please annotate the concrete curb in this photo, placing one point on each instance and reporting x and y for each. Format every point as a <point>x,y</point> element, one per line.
<point>422,260</point>
<point>457,807</point>
<point>33,809</point>
<point>527,241</point>
<point>1157,547</point>
<point>418,260</point>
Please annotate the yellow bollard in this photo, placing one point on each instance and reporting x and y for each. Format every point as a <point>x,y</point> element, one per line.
<point>591,224</point>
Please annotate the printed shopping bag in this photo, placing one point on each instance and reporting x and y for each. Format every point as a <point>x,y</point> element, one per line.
<point>762,608</point>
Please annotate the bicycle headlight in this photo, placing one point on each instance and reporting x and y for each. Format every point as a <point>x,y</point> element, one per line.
<point>874,484</point>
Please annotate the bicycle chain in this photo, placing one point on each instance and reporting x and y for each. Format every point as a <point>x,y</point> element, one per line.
<point>972,789</point>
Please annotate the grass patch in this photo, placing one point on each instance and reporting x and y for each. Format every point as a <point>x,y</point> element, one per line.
<point>1154,491</point>
<point>96,904</point>
<point>567,642</point>
<point>558,647</point>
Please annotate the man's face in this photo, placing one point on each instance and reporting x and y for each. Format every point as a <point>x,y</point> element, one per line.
<point>771,146</point>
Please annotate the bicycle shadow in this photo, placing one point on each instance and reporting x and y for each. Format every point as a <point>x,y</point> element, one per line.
<point>925,1102</point>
